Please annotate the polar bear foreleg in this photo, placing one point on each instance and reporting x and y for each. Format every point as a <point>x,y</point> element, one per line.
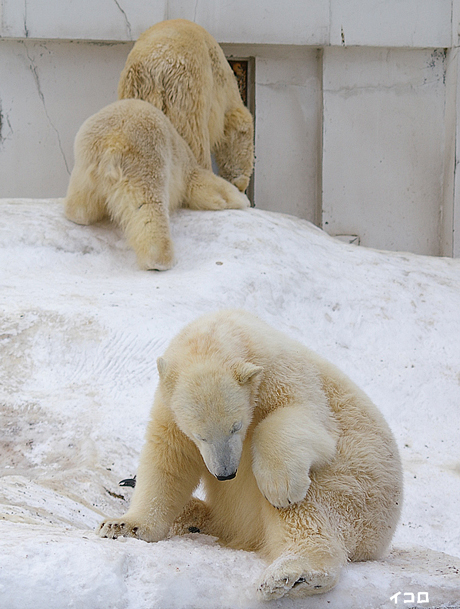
<point>208,191</point>
<point>167,475</point>
<point>286,445</point>
<point>235,152</point>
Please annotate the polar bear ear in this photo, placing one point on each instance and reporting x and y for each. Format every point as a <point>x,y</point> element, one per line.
<point>244,371</point>
<point>161,365</point>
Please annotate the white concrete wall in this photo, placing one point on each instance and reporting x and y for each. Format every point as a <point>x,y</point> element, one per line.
<point>47,89</point>
<point>357,105</point>
<point>288,127</point>
<point>383,146</point>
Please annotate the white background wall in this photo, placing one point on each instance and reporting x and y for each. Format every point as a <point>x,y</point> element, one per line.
<point>356,103</point>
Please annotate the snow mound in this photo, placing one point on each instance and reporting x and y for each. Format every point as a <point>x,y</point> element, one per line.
<point>81,328</point>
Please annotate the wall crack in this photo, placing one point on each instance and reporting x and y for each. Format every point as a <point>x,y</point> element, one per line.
<point>127,23</point>
<point>26,29</point>
<point>4,120</point>
<point>34,70</point>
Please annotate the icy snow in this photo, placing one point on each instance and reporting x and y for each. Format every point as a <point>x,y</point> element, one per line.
<point>81,328</point>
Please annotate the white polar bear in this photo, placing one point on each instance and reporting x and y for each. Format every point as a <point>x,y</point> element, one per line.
<point>311,469</point>
<point>178,67</point>
<point>132,165</point>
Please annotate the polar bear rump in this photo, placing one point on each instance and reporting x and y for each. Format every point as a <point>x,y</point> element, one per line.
<point>133,166</point>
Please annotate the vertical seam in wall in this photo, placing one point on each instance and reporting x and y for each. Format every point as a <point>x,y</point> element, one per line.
<point>319,181</point>
<point>455,162</point>
<point>442,228</point>
<point>455,49</point>
<point>454,177</point>
<point>251,92</point>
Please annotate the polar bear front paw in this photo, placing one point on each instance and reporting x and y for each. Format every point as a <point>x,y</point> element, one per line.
<point>241,182</point>
<point>117,527</point>
<point>280,486</point>
<point>234,199</point>
<point>132,526</point>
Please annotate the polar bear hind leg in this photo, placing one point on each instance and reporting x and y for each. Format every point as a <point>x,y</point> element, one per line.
<point>144,216</point>
<point>195,518</point>
<point>308,559</point>
<point>84,203</point>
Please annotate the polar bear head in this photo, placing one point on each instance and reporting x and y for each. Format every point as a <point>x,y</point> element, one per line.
<point>213,405</point>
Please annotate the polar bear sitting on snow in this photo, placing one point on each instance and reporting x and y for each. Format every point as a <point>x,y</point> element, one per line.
<point>132,165</point>
<point>178,67</point>
<point>296,461</point>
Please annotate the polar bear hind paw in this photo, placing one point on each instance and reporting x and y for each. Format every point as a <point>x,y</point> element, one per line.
<point>286,579</point>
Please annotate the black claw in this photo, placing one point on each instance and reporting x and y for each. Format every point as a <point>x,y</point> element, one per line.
<point>128,482</point>
<point>301,580</point>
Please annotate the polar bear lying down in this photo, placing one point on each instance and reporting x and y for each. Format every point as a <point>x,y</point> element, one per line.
<point>132,165</point>
<point>296,461</point>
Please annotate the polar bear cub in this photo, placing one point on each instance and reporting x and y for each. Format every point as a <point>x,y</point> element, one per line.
<point>177,66</point>
<point>132,165</point>
<point>297,462</point>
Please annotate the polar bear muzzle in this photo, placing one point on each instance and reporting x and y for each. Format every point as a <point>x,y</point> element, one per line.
<point>222,456</point>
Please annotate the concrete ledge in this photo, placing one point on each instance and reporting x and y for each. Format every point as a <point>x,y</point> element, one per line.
<point>394,23</point>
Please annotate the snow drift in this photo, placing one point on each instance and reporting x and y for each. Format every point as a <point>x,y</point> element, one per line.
<point>81,328</point>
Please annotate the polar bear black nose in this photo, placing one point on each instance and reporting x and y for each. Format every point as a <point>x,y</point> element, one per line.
<point>230,477</point>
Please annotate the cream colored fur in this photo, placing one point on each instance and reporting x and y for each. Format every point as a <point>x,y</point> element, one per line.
<point>132,165</point>
<point>179,68</point>
<point>318,477</point>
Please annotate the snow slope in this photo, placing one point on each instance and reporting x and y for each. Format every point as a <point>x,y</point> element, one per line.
<point>81,328</point>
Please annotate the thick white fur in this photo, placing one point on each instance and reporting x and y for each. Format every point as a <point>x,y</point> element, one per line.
<point>132,165</point>
<point>319,475</point>
<point>178,67</point>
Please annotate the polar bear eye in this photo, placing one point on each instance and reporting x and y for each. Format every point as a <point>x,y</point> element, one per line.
<point>200,439</point>
<point>237,426</point>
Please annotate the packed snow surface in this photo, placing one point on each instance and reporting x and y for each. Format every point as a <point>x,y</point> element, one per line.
<point>81,328</point>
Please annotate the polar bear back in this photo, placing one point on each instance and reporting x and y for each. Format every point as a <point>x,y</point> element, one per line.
<point>177,66</point>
